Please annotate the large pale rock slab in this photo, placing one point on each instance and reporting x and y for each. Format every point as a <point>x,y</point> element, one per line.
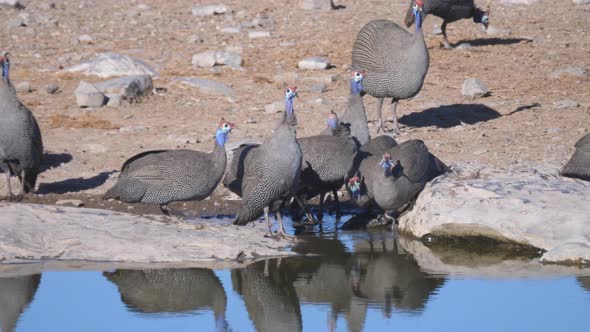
<point>531,207</point>
<point>33,232</point>
<point>111,64</point>
<point>206,86</point>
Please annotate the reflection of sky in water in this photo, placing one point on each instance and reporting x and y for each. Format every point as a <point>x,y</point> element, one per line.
<point>86,301</point>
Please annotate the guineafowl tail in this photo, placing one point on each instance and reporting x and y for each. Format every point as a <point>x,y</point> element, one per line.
<point>114,192</point>
<point>246,216</point>
<point>438,166</point>
<point>410,15</point>
<point>29,181</point>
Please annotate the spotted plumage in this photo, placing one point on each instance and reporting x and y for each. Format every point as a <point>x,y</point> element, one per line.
<point>21,145</point>
<point>164,176</point>
<point>450,11</point>
<point>395,61</point>
<point>579,164</point>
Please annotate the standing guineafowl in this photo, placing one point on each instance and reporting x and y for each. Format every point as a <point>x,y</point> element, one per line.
<point>395,61</point>
<point>450,11</point>
<point>395,178</point>
<point>21,146</point>
<point>272,172</point>
<point>579,164</point>
<point>164,176</point>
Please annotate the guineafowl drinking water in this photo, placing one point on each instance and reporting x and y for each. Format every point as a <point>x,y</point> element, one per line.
<point>272,172</point>
<point>579,164</point>
<point>393,184</point>
<point>396,61</point>
<point>450,11</point>
<point>21,146</point>
<point>164,176</point>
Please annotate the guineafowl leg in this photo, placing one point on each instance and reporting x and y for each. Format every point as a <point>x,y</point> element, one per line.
<point>171,212</point>
<point>394,111</point>
<point>337,200</point>
<point>379,107</point>
<point>308,214</point>
<point>7,172</point>
<point>445,43</point>
<point>321,213</point>
<point>282,231</point>
<point>268,223</point>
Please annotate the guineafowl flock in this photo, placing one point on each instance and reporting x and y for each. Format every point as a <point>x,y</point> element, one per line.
<point>387,62</point>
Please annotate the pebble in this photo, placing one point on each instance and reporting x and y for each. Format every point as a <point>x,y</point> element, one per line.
<point>24,87</point>
<point>86,39</point>
<point>87,95</point>
<point>474,87</point>
<point>250,120</point>
<point>73,202</point>
<point>565,103</point>
<point>315,4</point>
<point>314,63</point>
<point>11,3</point>
<point>258,34</point>
<point>235,29</point>
<point>15,23</point>
<point>553,130</point>
<point>51,88</point>
<point>568,71</point>
<point>582,2</point>
<point>287,43</point>
<point>195,39</point>
<point>209,10</point>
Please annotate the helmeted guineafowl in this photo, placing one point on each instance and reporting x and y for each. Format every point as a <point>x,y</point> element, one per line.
<point>395,178</point>
<point>164,176</point>
<point>272,172</point>
<point>335,127</point>
<point>450,11</point>
<point>378,145</point>
<point>395,61</point>
<point>579,164</point>
<point>21,146</point>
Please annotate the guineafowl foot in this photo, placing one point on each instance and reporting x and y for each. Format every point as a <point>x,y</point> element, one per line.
<point>168,211</point>
<point>381,221</point>
<point>14,198</point>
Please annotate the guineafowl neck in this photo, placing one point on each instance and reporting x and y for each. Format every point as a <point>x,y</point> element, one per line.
<point>219,157</point>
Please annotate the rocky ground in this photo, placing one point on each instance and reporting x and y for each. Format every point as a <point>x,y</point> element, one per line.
<point>534,114</point>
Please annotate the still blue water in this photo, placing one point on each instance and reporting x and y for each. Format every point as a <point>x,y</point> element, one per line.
<point>363,281</point>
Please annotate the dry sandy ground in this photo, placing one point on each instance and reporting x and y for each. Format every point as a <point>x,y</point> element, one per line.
<point>516,125</point>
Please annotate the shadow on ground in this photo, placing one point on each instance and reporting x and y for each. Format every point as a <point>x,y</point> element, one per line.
<point>74,185</point>
<point>52,160</point>
<point>492,41</point>
<point>448,116</point>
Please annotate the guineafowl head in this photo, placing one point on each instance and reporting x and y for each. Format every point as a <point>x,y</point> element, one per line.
<point>386,164</point>
<point>290,94</point>
<point>5,63</point>
<point>483,17</point>
<point>223,131</point>
<point>332,120</point>
<point>356,81</point>
<point>354,184</point>
<point>418,10</point>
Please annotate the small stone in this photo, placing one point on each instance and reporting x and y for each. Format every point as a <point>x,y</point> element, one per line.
<point>209,59</point>
<point>86,39</point>
<point>23,87</point>
<point>51,88</point>
<point>15,23</point>
<point>582,2</point>
<point>250,120</point>
<point>474,87</point>
<point>314,63</point>
<point>568,71</point>
<point>195,39</point>
<point>114,101</point>
<point>261,21</point>
<point>72,202</point>
<point>565,103</point>
<point>553,130</point>
<point>87,95</point>
<point>209,10</point>
<point>235,29</point>
<point>273,108</point>
<point>287,43</point>
<point>258,34</point>
<point>315,4</point>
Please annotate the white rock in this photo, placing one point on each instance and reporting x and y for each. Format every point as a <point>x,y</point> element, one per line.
<point>568,71</point>
<point>87,95</point>
<point>314,63</point>
<point>565,103</point>
<point>113,64</point>
<point>209,59</point>
<point>114,100</point>
<point>582,2</point>
<point>209,10</point>
<point>23,87</point>
<point>235,29</point>
<point>129,88</point>
<point>436,30</point>
<point>195,39</point>
<point>33,232</point>
<point>315,4</point>
<point>493,31</point>
<point>15,23</point>
<point>258,34</point>
<point>11,3</point>
<point>86,39</point>
<point>533,207</point>
<point>51,89</point>
<point>206,86</point>
<point>73,202</point>
<point>474,87</point>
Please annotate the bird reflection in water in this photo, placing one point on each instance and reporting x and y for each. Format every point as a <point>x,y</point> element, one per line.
<point>16,293</point>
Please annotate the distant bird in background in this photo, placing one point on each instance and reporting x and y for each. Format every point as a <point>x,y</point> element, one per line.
<point>21,145</point>
<point>272,172</point>
<point>451,11</point>
<point>165,176</point>
<point>395,61</point>
<point>579,164</point>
